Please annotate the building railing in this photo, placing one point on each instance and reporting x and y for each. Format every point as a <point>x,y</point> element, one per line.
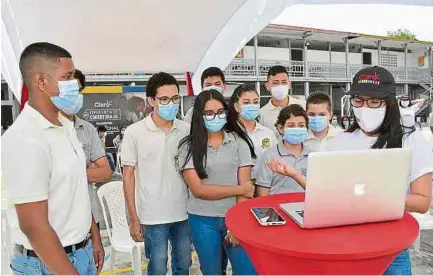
<point>316,70</point>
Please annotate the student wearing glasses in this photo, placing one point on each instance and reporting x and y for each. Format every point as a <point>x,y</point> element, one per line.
<point>378,126</point>
<point>245,100</point>
<point>215,160</point>
<point>149,158</point>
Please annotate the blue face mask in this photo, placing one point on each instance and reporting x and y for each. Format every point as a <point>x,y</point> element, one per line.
<point>295,135</point>
<point>216,124</point>
<point>317,123</point>
<point>168,111</point>
<point>69,99</point>
<point>250,111</point>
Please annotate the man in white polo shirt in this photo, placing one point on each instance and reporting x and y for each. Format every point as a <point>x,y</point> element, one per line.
<point>278,84</point>
<point>319,111</point>
<point>44,170</point>
<point>149,157</point>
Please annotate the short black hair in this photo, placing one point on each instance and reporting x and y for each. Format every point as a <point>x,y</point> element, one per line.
<point>34,55</point>
<point>319,98</point>
<point>293,110</point>
<point>212,72</point>
<point>158,80</point>
<point>102,129</point>
<point>80,77</point>
<point>277,69</point>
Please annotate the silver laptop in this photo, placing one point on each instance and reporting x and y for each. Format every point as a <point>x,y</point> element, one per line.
<point>353,187</point>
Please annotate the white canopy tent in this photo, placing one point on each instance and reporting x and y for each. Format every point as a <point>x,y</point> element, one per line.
<point>141,36</point>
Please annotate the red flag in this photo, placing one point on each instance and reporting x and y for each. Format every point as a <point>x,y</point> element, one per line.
<point>189,89</point>
<point>24,96</point>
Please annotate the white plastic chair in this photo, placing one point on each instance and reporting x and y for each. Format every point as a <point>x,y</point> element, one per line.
<point>425,222</point>
<point>119,236</point>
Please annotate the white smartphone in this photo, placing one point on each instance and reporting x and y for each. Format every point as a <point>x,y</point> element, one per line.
<point>267,216</point>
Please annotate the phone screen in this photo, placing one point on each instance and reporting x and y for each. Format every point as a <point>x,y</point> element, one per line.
<point>267,215</point>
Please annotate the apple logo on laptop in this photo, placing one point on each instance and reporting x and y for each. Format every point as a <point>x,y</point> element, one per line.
<point>360,188</point>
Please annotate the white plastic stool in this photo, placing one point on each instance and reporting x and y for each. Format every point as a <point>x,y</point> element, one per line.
<point>425,222</point>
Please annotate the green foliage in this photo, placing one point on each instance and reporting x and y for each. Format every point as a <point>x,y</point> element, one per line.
<point>402,34</point>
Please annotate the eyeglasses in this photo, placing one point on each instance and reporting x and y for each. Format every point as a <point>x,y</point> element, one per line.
<point>167,100</point>
<point>372,103</point>
<point>210,115</point>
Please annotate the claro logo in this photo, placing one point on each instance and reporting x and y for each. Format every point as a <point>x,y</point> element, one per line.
<point>104,104</point>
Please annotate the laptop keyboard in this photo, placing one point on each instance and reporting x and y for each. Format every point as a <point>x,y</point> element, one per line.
<point>301,213</point>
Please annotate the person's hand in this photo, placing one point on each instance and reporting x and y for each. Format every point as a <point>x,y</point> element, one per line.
<point>231,239</point>
<point>282,168</point>
<point>92,166</point>
<point>247,190</point>
<point>136,231</point>
<point>98,252</point>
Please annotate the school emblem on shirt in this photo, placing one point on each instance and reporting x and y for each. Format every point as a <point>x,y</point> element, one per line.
<point>265,143</point>
<point>304,172</point>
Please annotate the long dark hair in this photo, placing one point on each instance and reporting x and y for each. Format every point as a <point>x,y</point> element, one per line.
<point>390,132</point>
<point>197,140</point>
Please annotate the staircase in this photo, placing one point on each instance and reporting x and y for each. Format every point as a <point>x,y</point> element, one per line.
<point>426,82</point>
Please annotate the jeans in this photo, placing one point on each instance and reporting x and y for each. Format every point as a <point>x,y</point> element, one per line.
<point>401,265</point>
<point>207,235</point>
<point>156,239</point>
<point>82,259</point>
<point>111,162</point>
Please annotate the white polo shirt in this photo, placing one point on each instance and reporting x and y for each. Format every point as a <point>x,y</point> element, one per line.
<point>263,138</point>
<point>269,113</point>
<point>422,154</point>
<point>42,161</point>
<point>315,144</point>
<point>162,195</point>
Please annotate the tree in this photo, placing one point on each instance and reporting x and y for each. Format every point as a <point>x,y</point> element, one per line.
<point>402,34</point>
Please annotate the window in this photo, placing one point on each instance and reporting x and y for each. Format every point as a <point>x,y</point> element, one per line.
<point>5,92</point>
<point>388,59</point>
<point>366,58</point>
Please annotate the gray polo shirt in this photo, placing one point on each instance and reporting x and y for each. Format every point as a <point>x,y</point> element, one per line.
<point>88,137</point>
<point>277,183</point>
<point>222,168</point>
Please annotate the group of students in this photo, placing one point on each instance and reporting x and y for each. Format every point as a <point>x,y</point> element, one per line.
<point>225,156</point>
<point>181,178</point>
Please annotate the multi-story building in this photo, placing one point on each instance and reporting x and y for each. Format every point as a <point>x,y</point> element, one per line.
<point>317,60</point>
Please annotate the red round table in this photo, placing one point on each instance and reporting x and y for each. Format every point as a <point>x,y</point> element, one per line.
<point>358,249</point>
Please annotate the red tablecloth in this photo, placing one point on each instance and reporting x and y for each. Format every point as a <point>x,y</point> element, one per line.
<point>289,249</point>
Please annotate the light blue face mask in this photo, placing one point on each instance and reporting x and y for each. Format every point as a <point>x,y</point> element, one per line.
<point>214,87</point>
<point>295,135</point>
<point>216,124</point>
<point>69,99</point>
<point>317,123</point>
<point>250,111</point>
<point>168,111</point>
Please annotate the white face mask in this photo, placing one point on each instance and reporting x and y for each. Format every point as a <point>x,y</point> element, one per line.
<point>214,87</point>
<point>369,119</point>
<point>280,92</point>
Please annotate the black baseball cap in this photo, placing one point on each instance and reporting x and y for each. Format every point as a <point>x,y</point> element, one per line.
<point>374,82</point>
